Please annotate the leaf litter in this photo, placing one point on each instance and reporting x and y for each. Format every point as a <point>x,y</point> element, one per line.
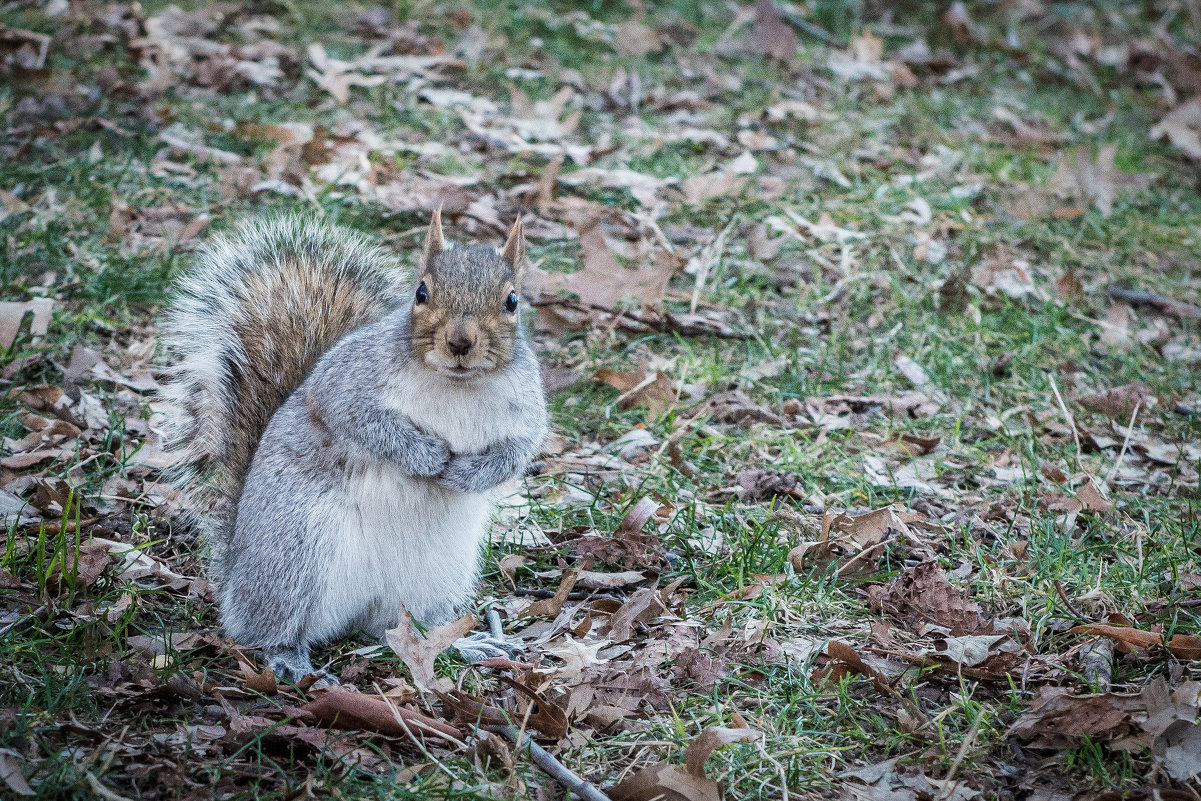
<point>917,500</point>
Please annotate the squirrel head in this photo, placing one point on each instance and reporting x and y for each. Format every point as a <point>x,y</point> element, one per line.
<point>465,307</point>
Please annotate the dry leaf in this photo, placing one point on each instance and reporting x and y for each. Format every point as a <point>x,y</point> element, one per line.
<point>1097,180</point>
<point>12,314</point>
<point>1055,719</point>
<point>923,596</point>
<point>551,607</point>
<point>667,783</point>
<point>603,283</point>
<point>1119,402</point>
<point>418,653</point>
<point>343,709</point>
<point>1182,128</point>
<point>10,772</point>
<point>259,681</point>
<point>641,605</point>
<point>706,186</point>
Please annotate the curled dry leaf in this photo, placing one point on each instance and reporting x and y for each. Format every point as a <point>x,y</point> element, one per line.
<point>1128,638</point>
<point>668,783</point>
<point>642,606</point>
<point>1119,402</point>
<point>11,775</point>
<point>845,661</point>
<point>342,709</point>
<point>655,393</point>
<point>418,653</point>
<point>1098,180</point>
<point>1055,719</point>
<point>604,284</point>
<point>763,483</point>
<point>862,537</point>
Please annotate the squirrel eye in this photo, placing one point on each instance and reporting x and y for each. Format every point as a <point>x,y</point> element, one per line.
<point>423,294</point>
<point>511,303</point>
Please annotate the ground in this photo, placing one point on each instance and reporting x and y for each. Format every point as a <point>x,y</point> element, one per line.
<point>871,338</point>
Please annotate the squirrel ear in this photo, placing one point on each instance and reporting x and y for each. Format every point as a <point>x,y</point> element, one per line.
<point>434,243</point>
<point>514,252</point>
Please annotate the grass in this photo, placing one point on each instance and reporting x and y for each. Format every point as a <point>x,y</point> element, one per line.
<point>102,234</point>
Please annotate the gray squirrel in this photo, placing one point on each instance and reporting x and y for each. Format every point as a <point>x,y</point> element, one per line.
<point>343,423</point>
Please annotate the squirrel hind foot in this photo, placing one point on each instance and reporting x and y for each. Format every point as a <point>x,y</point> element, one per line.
<point>291,663</point>
<point>481,646</point>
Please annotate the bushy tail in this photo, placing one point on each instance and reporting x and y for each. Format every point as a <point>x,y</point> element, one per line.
<point>248,324</point>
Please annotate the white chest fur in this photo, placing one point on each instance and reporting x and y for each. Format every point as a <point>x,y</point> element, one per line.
<point>468,415</point>
<point>405,541</point>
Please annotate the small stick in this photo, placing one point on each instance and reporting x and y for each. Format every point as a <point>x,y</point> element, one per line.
<point>1125,442</point>
<point>494,625</point>
<point>1068,415</point>
<point>1063,596</point>
<point>557,770</point>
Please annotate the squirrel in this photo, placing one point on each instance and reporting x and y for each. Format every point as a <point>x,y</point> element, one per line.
<point>342,423</point>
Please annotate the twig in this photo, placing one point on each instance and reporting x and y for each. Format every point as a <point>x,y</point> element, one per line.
<point>575,595</point>
<point>416,740</point>
<point>1068,416</point>
<point>40,614</point>
<point>709,256</point>
<point>495,628</point>
<point>779,769</point>
<point>1143,297</point>
<point>814,30</point>
<point>948,788</point>
<point>1063,596</point>
<point>1125,442</point>
<point>556,769</point>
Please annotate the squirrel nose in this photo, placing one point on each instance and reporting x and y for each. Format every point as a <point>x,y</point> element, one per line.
<point>459,344</point>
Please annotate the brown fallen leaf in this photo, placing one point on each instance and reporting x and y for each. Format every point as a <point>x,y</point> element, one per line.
<point>764,483</point>
<point>1056,720</point>
<point>1171,729</point>
<point>844,661</point>
<point>923,596</point>
<point>642,605</point>
<point>1118,403</point>
<point>1098,180</point>
<point>418,653</point>
<point>1128,638</point>
<point>343,709</point>
<point>655,393</point>
<point>736,407</point>
<point>667,783</point>
<point>93,559</point>
<point>259,681</point>
<point>862,537</point>
<point>550,607</point>
<point>604,283</point>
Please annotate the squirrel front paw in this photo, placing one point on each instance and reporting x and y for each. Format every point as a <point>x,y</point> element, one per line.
<point>428,456</point>
<point>465,472</point>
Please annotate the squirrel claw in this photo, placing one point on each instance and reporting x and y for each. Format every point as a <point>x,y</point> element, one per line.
<point>292,664</point>
<point>479,647</point>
